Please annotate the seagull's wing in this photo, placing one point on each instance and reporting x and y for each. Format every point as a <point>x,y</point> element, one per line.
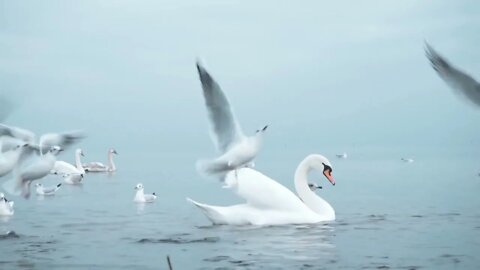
<point>50,189</point>
<point>19,133</point>
<point>63,140</point>
<point>226,129</point>
<point>455,78</point>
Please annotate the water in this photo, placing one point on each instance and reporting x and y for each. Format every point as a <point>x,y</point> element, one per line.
<point>390,215</point>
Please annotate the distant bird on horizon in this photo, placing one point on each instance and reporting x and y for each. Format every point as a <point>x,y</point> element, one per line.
<point>463,84</point>
<point>407,160</point>
<point>343,156</point>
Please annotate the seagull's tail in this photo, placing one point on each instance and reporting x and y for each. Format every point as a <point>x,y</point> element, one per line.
<point>14,185</point>
<point>58,186</point>
<point>212,167</point>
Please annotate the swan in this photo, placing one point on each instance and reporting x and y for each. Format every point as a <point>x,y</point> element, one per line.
<point>236,149</point>
<point>6,206</point>
<point>41,190</point>
<point>100,167</point>
<point>141,197</point>
<point>463,83</point>
<point>270,203</point>
<point>62,167</point>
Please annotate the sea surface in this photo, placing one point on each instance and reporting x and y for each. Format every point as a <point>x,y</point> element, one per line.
<point>390,215</point>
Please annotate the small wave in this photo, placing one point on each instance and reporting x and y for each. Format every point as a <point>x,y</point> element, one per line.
<point>179,240</point>
<point>9,235</point>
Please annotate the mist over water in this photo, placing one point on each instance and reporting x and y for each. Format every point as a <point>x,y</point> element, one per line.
<point>326,77</point>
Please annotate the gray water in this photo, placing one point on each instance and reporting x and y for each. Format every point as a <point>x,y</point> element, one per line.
<point>390,215</point>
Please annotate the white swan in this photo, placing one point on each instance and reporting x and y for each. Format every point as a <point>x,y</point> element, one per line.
<point>6,206</point>
<point>236,149</point>
<point>71,174</point>
<point>100,167</point>
<point>141,197</point>
<point>270,203</point>
<point>62,167</point>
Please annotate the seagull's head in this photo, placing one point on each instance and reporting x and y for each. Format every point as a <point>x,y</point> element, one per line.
<point>38,184</point>
<point>55,149</point>
<point>113,151</point>
<point>262,130</point>
<point>139,186</point>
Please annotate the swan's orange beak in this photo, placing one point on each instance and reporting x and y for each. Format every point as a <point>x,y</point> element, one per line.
<point>328,175</point>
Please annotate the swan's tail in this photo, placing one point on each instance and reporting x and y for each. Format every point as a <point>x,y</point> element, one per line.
<point>212,212</point>
<point>212,167</point>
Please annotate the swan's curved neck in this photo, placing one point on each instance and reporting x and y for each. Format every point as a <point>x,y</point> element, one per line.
<point>78,161</point>
<point>314,202</point>
<point>111,164</point>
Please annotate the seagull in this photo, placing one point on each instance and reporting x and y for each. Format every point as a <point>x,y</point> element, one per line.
<point>408,160</point>
<point>460,81</point>
<point>41,190</point>
<point>344,155</point>
<point>6,206</point>
<point>141,197</point>
<point>236,149</point>
<point>10,158</point>
<point>38,169</point>
<point>46,141</point>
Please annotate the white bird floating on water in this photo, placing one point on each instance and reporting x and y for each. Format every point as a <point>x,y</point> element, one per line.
<point>141,197</point>
<point>407,160</point>
<point>270,203</point>
<point>235,148</point>
<point>71,174</point>
<point>39,168</point>
<point>344,155</point>
<point>100,167</point>
<point>460,81</point>
<point>41,190</point>
<point>6,206</point>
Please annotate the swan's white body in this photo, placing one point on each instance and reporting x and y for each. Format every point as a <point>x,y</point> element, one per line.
<point>270,203</point>
<point>47,191</point>
<point>100,167</point>
<point>141,197</point>
<point>6,207</point>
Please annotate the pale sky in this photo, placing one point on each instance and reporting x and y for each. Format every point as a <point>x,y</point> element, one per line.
<point>323,74</point>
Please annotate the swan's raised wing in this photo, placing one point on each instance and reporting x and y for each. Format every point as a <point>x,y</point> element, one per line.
<point>225,127</point>
<point>455,78</point>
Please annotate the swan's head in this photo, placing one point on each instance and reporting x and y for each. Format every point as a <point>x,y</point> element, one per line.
<point>112,151</point>
<point>139,186</point>
<point>322,164</point>
<point>55,149</point>
<point>80,152</point>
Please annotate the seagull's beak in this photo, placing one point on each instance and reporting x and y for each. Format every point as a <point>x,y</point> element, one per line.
<point>328,175</point>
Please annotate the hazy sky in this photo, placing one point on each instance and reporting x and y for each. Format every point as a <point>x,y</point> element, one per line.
<point>323,74</point>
